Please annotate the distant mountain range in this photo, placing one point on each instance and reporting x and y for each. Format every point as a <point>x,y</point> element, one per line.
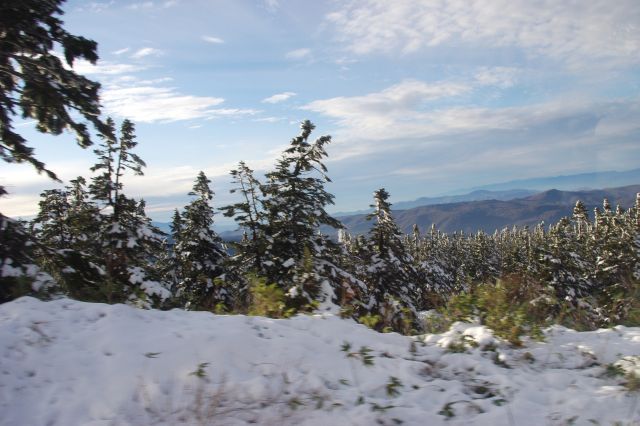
<point>522,188</point>
<point>476,195</point>
<point>489,215</point>
<point>583,181</point>
<point>490,207</point>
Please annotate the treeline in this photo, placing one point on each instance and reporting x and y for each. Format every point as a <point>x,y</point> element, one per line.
<point>92,242</point>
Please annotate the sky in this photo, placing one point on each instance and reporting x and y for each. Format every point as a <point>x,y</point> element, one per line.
<point>422,97</point>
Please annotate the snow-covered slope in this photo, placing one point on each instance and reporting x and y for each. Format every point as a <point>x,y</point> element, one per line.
<point>70,363</point>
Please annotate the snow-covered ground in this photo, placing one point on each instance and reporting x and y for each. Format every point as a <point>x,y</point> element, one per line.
<point>68,363</point>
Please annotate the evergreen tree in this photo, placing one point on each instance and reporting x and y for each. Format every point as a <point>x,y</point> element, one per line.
<point>114,159</point>
<point>200,253</point>
<point>36,83</point>
<point>297,256</point>
<point>634,224</point>
<point>390,276</point>
<point>129,243</point>
<point>483,262</point>
<point>66,228</point>
<point>561,266</point>
<point>168,265</point>
<point>438,278</point>
<point>19,272</point>
<point>250,217</point>
<point>53,219</point>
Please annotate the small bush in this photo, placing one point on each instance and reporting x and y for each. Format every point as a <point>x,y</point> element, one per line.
<point>503,307</point>
<point>369,320</point>
<point>620,303</point>
<point>267,300</point>
<point>632,382</point>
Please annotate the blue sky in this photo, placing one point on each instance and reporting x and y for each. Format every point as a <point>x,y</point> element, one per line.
<point>421,97</point>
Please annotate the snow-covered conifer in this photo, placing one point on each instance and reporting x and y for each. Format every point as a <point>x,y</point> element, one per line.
<point>200,253</point>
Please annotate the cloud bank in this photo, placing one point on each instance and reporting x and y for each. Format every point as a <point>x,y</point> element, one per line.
<point>579,34</point>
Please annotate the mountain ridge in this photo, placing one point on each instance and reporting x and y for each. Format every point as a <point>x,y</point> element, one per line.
<point>520,188</point>
<point>490,215</point>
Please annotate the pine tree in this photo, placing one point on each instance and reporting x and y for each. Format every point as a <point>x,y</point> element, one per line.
<point>53,219</point>
<point>19,272</point>
<point>114,159</point>
<point>607,241</point>
<point>297,256</point>
<point>37,83</point>
<point>562,267</point>
<point>250,217</point>
<point>129,243</point>
<point>200,253</point>
<point>438,279</point>
<point>391,276</point>
<point>168,266</point>
<point>483,262</point>
<point>634,224</point>
<point>66,228</point>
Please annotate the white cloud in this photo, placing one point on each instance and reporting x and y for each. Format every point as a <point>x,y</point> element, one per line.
<point>503,77</point>
<point>269,119</point>
<point>397,99</point>
<point>299,54</point>
<point>104,68</point>
<point>146,51</point>
<point>152,81</point>
<point>230,112</point>
<point>272,5</point>
<point>147,101</point>
<point>121,51</point>
<point>212,40</point>
<point>19,206</point>
<point>141,5</point>
<point>597,32</point>
<point>151,5</point>
<point>98,7</point>
<point>403,112</point>
<point>150,104</point>
<point>280,97</point>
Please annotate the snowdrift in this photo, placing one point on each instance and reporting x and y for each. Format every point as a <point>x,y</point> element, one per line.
<point>65,363</point>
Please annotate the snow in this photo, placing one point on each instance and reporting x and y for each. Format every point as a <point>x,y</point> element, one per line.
<point>150,288</point>
<point>65,362</point>
<point>8,270</point>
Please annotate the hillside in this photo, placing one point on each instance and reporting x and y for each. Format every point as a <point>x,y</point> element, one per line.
<point>489,215</point>
<point>65,362</point>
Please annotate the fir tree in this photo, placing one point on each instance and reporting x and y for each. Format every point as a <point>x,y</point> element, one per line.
<point>634,219</point>
<point>19,272</point>
<point>53,219</point>
<point>438,278</point>
<point>249,214</point>
<point>129,243</point>
<point>561,266</point>
<point>390,276</point>
<point>66,228</point>
<point>168,265</point>
<point>200,253</point>
<point>297,256</point>
<point>36,83</point>
<point>483,263</point>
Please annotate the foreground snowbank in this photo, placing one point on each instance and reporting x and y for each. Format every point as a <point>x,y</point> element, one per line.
<point>70,363</point>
